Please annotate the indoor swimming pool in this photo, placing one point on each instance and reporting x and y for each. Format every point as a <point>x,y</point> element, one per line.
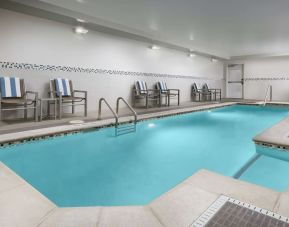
<point>97,168</point>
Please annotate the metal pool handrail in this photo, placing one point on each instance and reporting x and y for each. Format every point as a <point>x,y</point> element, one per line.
<point>99,110</point>
<point>268,91</point>
<point>129,106</point>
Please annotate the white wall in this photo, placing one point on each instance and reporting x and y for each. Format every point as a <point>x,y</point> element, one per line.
<point>259,73</point>
<point>27,39</point>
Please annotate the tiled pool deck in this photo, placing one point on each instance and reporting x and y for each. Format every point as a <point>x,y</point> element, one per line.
<point>21,205</point>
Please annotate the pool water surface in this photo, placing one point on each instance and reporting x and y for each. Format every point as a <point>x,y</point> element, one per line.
<point>97,168</point>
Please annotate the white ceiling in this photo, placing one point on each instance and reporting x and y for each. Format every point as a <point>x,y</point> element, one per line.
<point>221,27</point>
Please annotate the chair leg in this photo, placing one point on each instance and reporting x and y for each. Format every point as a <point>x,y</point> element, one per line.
<point>25,111</point>
<point>85,108</point>
<point>0,111</point>
<point>60,108</point>
<point>72,107</point>
<point>36,111</point>
<point>147,103</point>
<point>169,100</point>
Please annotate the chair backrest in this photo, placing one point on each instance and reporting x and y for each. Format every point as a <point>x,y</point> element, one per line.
<point>162,86</point>
<point>12,87</point>
<point>141,87</point>
<point>61,85</point>
<point>194,87</point>
<point>205,87</point>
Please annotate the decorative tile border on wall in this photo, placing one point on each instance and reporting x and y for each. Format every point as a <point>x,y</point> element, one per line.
<point>249,78</point>
<point>37,67</point>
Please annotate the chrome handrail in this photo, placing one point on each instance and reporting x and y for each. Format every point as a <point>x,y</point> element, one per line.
<point>99,110</point>
<point>268,91</point>
<point>129,106</point>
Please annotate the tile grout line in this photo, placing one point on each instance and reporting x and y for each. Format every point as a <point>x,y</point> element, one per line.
<point>155,215</point>
<point>47,215</point>
<point>99,216</point>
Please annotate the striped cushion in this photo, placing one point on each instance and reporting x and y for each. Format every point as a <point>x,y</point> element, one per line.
<point>10,87</point>
<point>163,87</point>
<point>142,87</point>
<point>205,87</point>
<point>63,86</point>
<point>195,88</point>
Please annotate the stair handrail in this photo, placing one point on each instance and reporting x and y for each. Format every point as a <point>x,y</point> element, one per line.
<point>128,105</point>
<point>268,91</point>
<point>101,100</point>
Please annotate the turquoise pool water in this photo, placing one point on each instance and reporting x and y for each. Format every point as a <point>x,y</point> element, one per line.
<point>97,168</point>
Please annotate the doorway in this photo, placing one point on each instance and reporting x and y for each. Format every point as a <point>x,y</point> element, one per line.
<point>235,81</point>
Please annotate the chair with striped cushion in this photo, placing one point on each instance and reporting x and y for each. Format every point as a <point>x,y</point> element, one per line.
<point>196,93</point>
<point>141,91</point>
<point>14,97</point>
<point>211,93</point>
<point>62,90</point>
<point>168,94</point>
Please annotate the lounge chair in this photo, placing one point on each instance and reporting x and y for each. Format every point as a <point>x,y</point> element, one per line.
<point>62,90</point>
<point>140,92</point>
<point>168,93</point>
<point>14,97</point>
<point>196,93</point>
<point>213,92</point>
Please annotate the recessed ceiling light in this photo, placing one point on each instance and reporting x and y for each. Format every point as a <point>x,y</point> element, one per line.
<point>214,59</point>
<point>155,47</point>
<point>192,37</point>
<point>80,20</point>
<point>192,55</point>
<point>80,30</point>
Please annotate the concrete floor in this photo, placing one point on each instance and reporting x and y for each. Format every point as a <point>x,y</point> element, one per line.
<point>9,126</point>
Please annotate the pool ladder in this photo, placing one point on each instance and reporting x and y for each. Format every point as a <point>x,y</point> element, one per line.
<point>268,92</point>
<point>120,129</point>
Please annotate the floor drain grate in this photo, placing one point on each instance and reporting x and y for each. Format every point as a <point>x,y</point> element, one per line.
<point>226,211</point>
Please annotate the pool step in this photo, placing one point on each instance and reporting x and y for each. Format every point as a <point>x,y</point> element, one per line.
<point>125,129</point>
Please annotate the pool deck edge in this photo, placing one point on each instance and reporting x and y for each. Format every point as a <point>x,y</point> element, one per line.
<point>56,130</point>
<point>22,205</point>
<point>277,135</point>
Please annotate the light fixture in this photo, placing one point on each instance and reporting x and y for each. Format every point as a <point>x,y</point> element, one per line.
<point>192,55</point>
<point>214,59</point>
<point>80,1</point>
<point>80,20</point>
<point>80,30</point>
<point>192,37</point>
<point>155,47</point>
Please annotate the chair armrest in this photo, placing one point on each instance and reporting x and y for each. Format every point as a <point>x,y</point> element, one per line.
<point>215,89</point>
<point>82,92</point>
<point>79,91</point>
<point>178,90</point>
<point>33,93</point>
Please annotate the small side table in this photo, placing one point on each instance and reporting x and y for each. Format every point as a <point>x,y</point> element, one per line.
<point>49,101</point>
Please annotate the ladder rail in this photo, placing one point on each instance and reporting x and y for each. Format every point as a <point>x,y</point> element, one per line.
<point>129,106</point>
<point>101,100</point>
<point>268,91</point>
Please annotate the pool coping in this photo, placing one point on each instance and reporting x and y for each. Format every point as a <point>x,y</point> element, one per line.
<point>276,136</point>
<point>22,205</point>
<point>50,132</point>
<point>176,207</point>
